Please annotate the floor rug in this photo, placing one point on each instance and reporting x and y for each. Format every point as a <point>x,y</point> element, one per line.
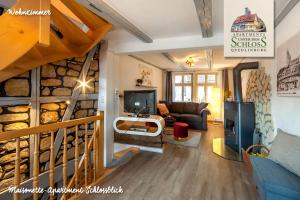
<point>192,140</point>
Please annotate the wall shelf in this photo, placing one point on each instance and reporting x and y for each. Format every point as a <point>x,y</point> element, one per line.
<point>146,86</point>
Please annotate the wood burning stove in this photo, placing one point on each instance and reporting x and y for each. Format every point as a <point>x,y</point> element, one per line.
<point>239,117</point>
<point>239,125</point>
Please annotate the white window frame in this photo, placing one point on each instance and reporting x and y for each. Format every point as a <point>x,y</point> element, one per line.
<point>183,84</point>
<point>205,84</point>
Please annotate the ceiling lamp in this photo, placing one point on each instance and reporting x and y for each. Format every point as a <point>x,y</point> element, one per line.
<point>190,61</point>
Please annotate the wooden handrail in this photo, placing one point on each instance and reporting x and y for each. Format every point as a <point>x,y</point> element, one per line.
<point>9,135</point>
<point>90,166</point>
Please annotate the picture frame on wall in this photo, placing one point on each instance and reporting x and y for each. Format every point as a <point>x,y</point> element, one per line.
<point>146,75</point>
<point>288,68</point>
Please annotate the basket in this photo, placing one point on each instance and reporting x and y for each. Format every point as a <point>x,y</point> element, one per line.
<point>248,153</point>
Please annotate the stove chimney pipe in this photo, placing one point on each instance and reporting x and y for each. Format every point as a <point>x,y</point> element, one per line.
<point>237,78</point>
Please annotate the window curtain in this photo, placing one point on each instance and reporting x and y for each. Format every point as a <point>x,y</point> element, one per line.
<point>169,85</point>
<point>225,84</point>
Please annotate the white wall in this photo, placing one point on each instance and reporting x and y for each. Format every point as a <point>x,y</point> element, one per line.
<point>285,110</point>
<point>116,74</point>
<point>129,71</point>
<point>108,99</point>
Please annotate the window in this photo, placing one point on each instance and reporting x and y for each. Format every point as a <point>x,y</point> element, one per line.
<point>194,86</point>
<point>183,88</point>
<point>205,84</point>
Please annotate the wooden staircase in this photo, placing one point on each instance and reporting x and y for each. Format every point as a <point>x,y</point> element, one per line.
<point>30,41</point>
<point>87,168</point>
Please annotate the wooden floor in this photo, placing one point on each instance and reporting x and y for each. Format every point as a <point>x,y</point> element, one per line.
<point>181,173</point>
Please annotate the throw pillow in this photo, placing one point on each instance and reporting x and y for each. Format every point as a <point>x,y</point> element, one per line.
<point>163,110</point>
<point>285,151</point>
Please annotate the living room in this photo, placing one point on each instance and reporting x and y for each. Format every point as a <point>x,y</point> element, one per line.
<point>108,99</point>
<point>257,85</point>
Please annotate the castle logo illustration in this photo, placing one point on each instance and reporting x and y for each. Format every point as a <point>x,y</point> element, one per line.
<point>248,23</point>
<point>248,28</point>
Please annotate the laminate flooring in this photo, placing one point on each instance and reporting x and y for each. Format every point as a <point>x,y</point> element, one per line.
<point>181,173</point>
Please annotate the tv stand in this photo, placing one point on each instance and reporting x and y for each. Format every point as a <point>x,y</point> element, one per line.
<point>124,125</point>
<point>140,127</point>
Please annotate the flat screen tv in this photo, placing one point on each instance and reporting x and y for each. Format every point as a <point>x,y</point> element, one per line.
<point>140,101</point>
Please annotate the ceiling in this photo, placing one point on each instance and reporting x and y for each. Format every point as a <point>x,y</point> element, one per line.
<point>162,19</point>
<point>168,18</point>
<point>180,56</point>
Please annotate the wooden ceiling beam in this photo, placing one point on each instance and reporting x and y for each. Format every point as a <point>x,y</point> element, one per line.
<point>169,57</point>
<point>290,4</point>
<point>204,12</point>
<point>106,11</point>
<point>209,58</point>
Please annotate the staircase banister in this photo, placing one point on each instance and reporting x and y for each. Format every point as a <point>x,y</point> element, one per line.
<point>48,127</point>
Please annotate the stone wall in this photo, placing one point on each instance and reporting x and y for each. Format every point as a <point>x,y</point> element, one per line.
<point>16,87</point>
<point>60,78</point>
<point>13,118</point>
<point>259,92</point>
<point>56,80</point>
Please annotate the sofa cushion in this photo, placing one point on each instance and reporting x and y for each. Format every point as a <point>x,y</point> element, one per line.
<point>177,107</point>
<point>190,117</point>
<point>285,151</point>
<point>175,115</point>
<point>163,110</point>
<point>275,179</point>
<point>190,108</point>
